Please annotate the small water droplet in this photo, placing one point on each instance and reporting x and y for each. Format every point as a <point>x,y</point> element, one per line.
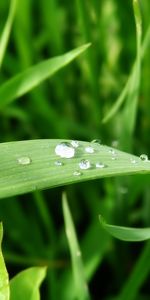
<point>24,160</point>
<point>133,160</point>
<point>100,165</point>
<point>77,173</point>
<point>112,151</point>
<point>84,164</point>
<point>58,163</point>
<point>97,141</point>
<point>113,157</point>
<point>144,157</point>
<point>89,149</point>
<point>75,144</point>
<point>65,150</point>
<point>115,144</point>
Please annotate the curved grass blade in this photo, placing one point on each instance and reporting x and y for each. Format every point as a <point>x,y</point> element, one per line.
<point>25,285</point>
<point>7,29</point>
<point>4,282</point>
<point>126,233</point>
<point>77,264</point>
<point>30,78</point>
<point>26,166</point>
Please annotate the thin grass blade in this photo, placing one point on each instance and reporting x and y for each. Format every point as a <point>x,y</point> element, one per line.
<point>76,258</point>
<point>4,282</point>
<point>33,76</point>
<point>7,29</point>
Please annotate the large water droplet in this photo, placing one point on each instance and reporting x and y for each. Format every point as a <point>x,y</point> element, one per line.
<point>85,164</point>
<point>77,173</point>
<point>24,160</point>
<point>75,144</point>
<point>65,150</point>
<point>58,163</point>
<point>144,157</point>
<point>89,149</point>
<point>100,165</point>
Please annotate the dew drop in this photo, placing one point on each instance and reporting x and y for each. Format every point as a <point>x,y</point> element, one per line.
<point>77,173</point>
<point>24,160</point>
<point>89,149</point>
<point>58,163</point>
<point>133,160</point>
<point>84,164</point>
<point>65,150</point>
<point>144,157</point>
<point>75,144</point>
<point>100,165</point>
<point>112,151</point>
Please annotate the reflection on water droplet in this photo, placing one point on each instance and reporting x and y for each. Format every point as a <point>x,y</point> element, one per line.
<point>85,164</point>
<point>65,150</point>
<point>77,173</point>
<point>75,144</point>
<point>58,163</point>
<point>89,149</point>
<point>100,165</point>
<point>24,160</point>
<point>144,157</point>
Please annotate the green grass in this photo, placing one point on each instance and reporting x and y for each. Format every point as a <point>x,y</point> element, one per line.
<point>44,100</point>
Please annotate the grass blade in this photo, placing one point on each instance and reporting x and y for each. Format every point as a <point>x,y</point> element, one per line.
<point>25,285</point>
<point>77,264</point>
<point>27,166</point>
<point>137,277</point>
<point>4,285</point>
<point>7,29</point>
<point>126,233</point>
<point>30,78</point>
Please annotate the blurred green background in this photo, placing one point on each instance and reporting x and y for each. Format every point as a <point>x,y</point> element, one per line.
<point>72,105</point>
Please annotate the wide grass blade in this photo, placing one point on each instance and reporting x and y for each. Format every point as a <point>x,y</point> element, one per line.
<point>126,233</point>
<point>4,283</point>
<point>7,29</point>
<point>33,76</point>
<point>25,285</point>
<point>27,166</point>
<point>77,264</point>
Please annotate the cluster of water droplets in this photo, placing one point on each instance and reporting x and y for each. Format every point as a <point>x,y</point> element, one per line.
<point>68,150</point>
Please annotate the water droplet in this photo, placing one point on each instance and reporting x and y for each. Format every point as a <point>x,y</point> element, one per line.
<point>100,165</point>
<point>77,173</point>
<point>115,144</point>
<point>144,157</point>
<point>113,157</point>
<point>97,141</point>
<point>65,150</point>
<point>112,151</point>
<point>85,164</point>
<point>89,149</point>
<point>58,163</point>
<point>75,144</point>
<point>24,160</point>
<point>133,160</point>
